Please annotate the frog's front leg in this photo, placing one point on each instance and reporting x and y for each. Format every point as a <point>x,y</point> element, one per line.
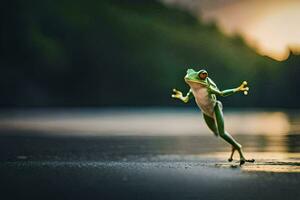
<point>242,88</point>
<point>178,95</point>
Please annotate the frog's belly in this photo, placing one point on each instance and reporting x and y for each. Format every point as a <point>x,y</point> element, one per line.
<point>204,101</point>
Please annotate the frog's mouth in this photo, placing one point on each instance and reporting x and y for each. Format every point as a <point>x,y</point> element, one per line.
<point>187,80</point>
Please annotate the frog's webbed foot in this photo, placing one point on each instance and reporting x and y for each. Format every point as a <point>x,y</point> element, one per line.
<point>244,88</point>
<point>243,161</point>
<point>178,95</point>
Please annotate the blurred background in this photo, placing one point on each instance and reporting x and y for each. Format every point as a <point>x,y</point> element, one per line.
<point>132,53</point>
<point>108,68</point>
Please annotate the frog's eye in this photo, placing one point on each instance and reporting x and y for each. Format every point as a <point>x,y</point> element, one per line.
<point>203,75</point>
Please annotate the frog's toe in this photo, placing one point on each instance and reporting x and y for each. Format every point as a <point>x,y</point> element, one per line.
<point>230,159</point>
<point>242,162</point>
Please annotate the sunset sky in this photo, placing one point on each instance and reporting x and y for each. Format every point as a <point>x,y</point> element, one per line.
<point>271,27</point>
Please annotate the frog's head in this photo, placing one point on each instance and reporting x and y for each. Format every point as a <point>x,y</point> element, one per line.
<point>196,76</point>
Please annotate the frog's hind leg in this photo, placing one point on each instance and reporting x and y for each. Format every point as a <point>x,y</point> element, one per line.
<point>230,159</point>
<point>211,123</point>
<point>225,135</point>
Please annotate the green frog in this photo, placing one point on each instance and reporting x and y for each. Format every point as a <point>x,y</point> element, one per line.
<point>205,91</point>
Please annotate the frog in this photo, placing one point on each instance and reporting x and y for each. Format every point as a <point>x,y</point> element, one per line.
<point>205,92</point>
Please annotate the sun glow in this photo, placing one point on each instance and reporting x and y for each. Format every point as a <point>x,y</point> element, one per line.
<point>271,27</point>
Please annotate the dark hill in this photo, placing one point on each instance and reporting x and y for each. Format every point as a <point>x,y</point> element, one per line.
<point>130,53</point>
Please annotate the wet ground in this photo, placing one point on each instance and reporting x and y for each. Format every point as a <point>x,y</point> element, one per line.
<point>37,164</point>
<point>119,167</point>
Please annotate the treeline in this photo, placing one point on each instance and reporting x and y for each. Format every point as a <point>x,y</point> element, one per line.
<point>126,53</point>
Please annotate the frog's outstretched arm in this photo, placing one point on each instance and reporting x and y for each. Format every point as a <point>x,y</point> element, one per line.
<point>224,93</point>
<point>177,94</point>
